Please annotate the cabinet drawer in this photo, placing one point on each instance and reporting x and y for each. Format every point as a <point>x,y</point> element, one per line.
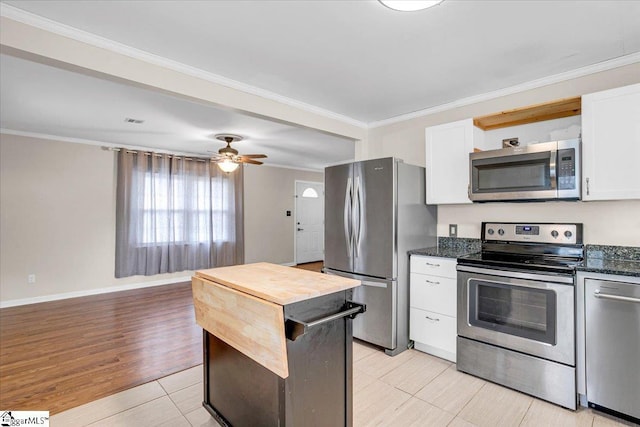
<point>443,267</point>
<point>433,329</point>
<point>433,293</point>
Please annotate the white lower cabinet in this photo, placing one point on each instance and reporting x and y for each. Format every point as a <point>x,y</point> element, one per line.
<point>432,300</point>
<point>433,333</point>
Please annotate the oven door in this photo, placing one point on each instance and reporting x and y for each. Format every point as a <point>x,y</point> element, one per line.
<point>527,312</point>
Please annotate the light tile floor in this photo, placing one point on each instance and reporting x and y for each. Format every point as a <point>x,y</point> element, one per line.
<point>411,389</point>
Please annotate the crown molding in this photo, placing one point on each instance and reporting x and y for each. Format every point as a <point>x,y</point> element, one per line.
<point>28,18</point>
<point>46,24</point>
<point>46,136</point>
<point>104,144</point>
<point>288,167</point>
<point>534,84</point>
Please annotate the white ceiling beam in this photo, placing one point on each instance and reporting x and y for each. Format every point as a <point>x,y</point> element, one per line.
<point>30,42</point>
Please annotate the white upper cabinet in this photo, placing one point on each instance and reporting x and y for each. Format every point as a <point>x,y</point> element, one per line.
<point>611,144</point>
<point>447,161</point>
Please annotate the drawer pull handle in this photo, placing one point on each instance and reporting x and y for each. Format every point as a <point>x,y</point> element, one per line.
<point>432,265</point>
<point>430,282</point>
<point>598,294</point>
<point>432,319</point>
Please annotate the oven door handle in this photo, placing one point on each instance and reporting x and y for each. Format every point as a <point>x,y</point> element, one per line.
<point>518,274</point>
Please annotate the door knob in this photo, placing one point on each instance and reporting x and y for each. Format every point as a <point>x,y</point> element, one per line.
<point>300,229</point>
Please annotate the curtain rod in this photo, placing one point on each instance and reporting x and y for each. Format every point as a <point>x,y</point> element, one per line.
<point>152,153</point>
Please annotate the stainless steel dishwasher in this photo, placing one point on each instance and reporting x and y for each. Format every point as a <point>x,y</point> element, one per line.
<point>612,330</point>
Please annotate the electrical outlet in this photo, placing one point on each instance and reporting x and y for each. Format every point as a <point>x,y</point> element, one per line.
<point>453,230</point>
<point>31,279</point>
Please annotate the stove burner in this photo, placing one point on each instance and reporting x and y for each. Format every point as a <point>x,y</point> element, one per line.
<point>520,252</point>
<point>562,265</point>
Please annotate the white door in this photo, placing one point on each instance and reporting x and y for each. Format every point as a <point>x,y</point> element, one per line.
<point>309,221</point>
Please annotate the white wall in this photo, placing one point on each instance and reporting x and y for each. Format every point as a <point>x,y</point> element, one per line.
<point>605,223</point>
<point>57,221</point>
<point>270,192</point>
<point>613,223</point>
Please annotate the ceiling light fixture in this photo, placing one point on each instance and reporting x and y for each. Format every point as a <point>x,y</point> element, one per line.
<point>228,158</point>
<point>228,165</point>
<point>409,5</point>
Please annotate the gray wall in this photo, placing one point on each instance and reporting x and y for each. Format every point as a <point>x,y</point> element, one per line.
<point>269,192</point>
<point>57,219</point>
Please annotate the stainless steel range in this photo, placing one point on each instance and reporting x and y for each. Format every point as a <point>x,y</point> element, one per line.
<point>516,308</point>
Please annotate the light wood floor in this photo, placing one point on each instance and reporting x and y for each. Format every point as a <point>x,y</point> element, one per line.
<point>61,354</point>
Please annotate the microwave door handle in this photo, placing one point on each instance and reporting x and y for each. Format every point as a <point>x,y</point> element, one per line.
<point>552,168</point>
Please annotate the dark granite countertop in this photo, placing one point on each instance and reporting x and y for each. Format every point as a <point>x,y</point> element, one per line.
<point>621,267</point>
<point>450,247</point>
<point>619,260</point>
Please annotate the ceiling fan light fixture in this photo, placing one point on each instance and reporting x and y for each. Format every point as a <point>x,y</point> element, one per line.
<point>228,165</point>
<point>410,5</point>
<point>228,158</point>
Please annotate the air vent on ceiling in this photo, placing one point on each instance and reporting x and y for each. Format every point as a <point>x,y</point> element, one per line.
<point>130,120</point>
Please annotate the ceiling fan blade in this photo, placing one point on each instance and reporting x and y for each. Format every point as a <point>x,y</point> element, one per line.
<point>253,162</point>
<point>254,156</point>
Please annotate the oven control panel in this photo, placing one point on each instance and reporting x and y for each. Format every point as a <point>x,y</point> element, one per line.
<point>531,232</point>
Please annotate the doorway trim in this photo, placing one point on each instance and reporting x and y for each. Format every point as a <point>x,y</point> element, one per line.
<point>295,215</point>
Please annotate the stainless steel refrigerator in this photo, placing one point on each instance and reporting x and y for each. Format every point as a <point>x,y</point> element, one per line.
<point>375,211</point>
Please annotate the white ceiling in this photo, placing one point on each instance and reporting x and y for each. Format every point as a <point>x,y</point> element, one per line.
<point>40,99</point>
<point>355,58</point>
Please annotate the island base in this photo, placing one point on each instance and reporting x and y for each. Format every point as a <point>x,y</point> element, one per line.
<point>318,391</point>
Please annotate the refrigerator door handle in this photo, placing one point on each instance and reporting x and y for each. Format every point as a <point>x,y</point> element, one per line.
<point>348,225</point>
<point>360,219</point>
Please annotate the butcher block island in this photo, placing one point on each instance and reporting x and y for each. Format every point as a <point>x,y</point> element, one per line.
<point>277,345</point>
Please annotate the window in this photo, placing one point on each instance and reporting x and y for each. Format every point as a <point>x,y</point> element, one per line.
<point>175,214</point>
<point>310,193</point>
<point>165,199</point>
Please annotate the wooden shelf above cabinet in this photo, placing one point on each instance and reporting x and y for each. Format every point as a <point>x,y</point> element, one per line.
<point>535,113</point>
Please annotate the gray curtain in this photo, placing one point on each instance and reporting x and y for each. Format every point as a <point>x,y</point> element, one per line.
<point>175,214</point>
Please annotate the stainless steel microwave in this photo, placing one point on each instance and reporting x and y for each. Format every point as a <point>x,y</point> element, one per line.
<point>544,171</point>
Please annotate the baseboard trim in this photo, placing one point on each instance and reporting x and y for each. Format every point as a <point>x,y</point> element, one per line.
<point>76,294</point>
<point>289,264</point>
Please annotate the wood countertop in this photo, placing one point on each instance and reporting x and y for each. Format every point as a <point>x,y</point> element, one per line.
<point>243,305</point>
<point>276,283</point>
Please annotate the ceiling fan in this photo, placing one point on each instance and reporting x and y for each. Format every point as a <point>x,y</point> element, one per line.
<point>228,158</point>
